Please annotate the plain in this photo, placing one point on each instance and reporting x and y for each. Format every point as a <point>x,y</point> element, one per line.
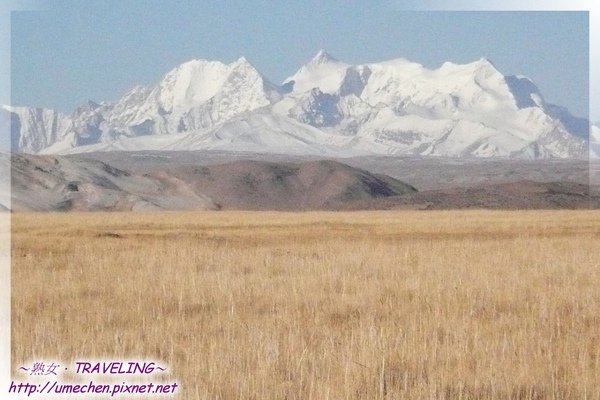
<point>323,305</point>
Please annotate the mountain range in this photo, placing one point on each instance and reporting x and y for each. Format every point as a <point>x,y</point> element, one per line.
<point>327,108</point>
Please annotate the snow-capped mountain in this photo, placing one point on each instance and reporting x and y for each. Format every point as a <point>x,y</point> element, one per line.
<point>595,141</point>
<point>327,107</point>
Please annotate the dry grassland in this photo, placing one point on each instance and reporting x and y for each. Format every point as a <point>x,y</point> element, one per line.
<point>368,305</point>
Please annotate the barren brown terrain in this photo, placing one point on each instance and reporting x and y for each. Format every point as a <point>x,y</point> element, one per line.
<point>175,182</point>
<point>365,305</point>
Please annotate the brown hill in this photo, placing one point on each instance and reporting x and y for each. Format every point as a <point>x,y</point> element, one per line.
<point>261,185</point>
<point>54,183</point>
<point>50,183</point>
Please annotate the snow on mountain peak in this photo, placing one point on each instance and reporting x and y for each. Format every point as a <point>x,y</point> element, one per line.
<point>595,140</point>
<point>485,68</point>
<point>484,61</point>
<point>192,83</point>
<point>390,107</point>
<point>243,62</point>
<point>322,71</point>
<point>322,57</point>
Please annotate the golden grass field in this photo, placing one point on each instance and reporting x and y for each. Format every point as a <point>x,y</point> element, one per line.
<point>365,305</point>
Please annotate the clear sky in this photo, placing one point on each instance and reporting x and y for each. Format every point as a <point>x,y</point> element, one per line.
<point>72,51</point>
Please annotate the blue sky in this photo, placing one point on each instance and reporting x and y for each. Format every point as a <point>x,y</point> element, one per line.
<point>72,51</point>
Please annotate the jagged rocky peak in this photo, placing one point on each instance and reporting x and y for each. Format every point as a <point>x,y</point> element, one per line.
<point>242,69</point>
<point>322,71</point>
<point>243,61</point>
<point>87,107</point>
<point>485,69</point>
<point>485,63</point>
<point>322,57</point>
